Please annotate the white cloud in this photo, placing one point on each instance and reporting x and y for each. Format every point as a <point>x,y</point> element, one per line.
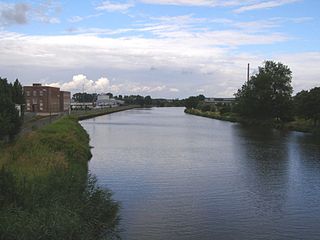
<point>81,83</point>
<point>114,7</point>
<point>178,61</point>
<point>46,12</point>
<point>177,56</point>
<point>75,19</point>
<point>243,5</point>
<point>305,68</point>
<point>13,13</point>
<point>50,20</point>
<point>23,13</point>
<point>200,3</point>
<point>264,5</point>
<point>174,90</point>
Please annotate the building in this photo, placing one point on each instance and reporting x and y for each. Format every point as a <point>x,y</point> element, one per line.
<point>82,105</point>
<point>104,100</point>
<point>44,100</point>
<point>65,101</point>
<point>224,101</point>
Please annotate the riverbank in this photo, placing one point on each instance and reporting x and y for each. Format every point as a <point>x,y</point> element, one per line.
<point>45,189</point>
<point>299,125</point>
<point>86,114</point>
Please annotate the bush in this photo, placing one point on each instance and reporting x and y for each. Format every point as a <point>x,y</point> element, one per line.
<point>46,192</point>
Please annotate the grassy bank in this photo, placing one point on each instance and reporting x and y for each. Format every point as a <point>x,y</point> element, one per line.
<point>85,114</point>
<point>45,190</point>
<point>214,115</point>
<point>300,125</point>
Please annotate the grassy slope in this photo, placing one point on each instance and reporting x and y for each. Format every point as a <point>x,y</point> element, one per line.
<point>300,125</point>
<point>45,192</point>
<point>81,115</point>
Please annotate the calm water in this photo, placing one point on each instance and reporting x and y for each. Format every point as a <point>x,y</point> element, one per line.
<point>180,176</point>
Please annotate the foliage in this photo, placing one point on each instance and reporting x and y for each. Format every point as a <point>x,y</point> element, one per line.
<point>45,192</point>
<point>137,100</point>
<point>148,100</point>
<point>17,93</point>
<point>231,117</point>
<point>85,97</point>
<point>307,104</point>
<point>225,109</point>
<point>205,108</point>
<point>10,121</point>
<point>267,94</point>
<point>193,101</point>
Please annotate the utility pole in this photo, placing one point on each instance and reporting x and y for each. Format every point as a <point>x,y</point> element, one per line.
<point>83,105</point>
<point>248,72</point>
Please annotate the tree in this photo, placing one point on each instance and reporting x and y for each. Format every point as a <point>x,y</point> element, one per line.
<point>307,104</point>
<point>267,94</point>
<point>139,100</point>
<point>17,93</point>
<point>84,97</point>
<point>10,121</point>
<point>148,100</point>
<point>193,102</point>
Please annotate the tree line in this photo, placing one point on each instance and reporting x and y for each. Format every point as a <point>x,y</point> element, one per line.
<point>11,94</point>
<point>130,100</point>
<point>267,95</point>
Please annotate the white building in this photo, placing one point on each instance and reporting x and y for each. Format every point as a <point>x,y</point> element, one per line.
<point>104,100</point>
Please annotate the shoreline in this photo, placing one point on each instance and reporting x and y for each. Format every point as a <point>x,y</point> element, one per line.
<point>298,126</point>
<point>86,114</point>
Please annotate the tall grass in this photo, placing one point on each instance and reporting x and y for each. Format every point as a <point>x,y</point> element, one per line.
<point>45,189</point>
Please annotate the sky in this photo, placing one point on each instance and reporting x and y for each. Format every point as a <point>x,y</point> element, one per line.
<point>162,48</point>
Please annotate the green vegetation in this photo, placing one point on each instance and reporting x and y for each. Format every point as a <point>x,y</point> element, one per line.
<point>136,100</point>
<point>193,102</point>
<point>267,95</point>
<point>266,99</point>
<point>231,117</point>
<point>85,97</point>
<point>307,105</point>
<point>10,121</point>
<point>85,114</point>
<point>45,190</point>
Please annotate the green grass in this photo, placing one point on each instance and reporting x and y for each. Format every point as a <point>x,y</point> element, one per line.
<point>300,125</point>
<point>45,189</point>
<point>85,114</point>
<point>231,117</point>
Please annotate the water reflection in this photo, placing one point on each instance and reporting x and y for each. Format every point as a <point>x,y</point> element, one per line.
<point>185,177</point>
<point>263,160</point>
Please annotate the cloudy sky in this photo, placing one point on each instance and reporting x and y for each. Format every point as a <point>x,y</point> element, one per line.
<point>162,48</point>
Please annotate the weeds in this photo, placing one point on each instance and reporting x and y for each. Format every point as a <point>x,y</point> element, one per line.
<point>46,193</point>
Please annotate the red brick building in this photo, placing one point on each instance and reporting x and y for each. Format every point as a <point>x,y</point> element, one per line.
<point>65,101</point>
<point>45,100</point>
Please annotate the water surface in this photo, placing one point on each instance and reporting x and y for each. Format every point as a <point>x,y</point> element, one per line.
<point>180,176</point>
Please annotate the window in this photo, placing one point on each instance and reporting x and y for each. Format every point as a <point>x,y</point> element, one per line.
<point>34,101</point>
<point>40,93</point>
<point>28,105</point>
<point>34,93</point>
<point>28,93</point>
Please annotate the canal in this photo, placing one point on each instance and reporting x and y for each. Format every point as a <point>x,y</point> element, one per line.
<point>180,176</point>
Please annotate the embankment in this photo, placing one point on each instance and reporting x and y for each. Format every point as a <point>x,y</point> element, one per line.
<point>213,115</point>
<point>82,115</point>
<point>299,125</point>
<point>45,189</point>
